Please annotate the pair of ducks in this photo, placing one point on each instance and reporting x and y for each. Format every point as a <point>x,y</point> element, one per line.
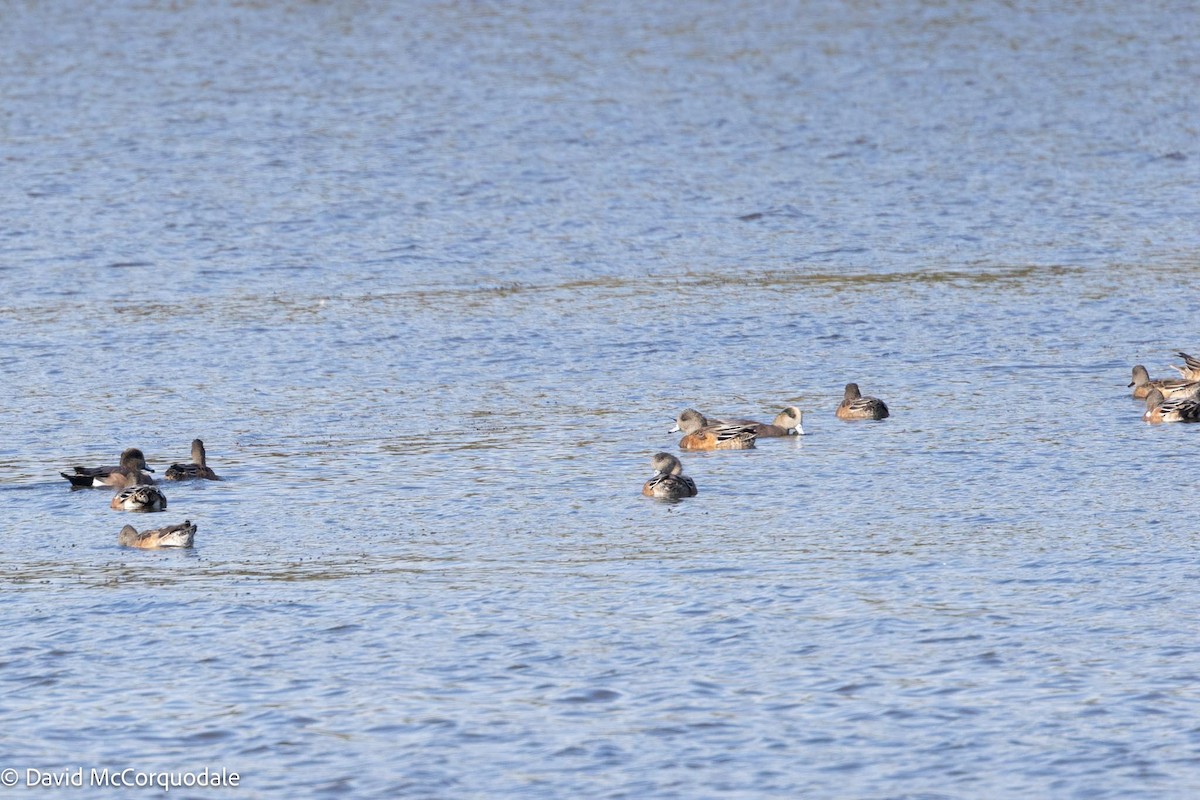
<point>701,433</point>
<point>137,492</point>
<point>1170,399</point>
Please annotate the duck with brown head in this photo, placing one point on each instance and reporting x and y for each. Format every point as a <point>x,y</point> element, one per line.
<point>197,470</point>
<point>855,406</point>
<point>129,473</point>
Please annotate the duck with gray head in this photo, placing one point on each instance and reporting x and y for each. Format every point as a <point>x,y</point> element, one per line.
<point>788,422</point>
<point>669,482</point>
<point>700,434</point>
<point>1169,387</point>
<point>1177,409</point>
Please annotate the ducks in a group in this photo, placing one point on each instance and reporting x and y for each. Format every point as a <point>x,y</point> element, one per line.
<point>128,473</point>
<point>136,491</point>
<point>855,406</point>
<point>700,434</point>
<point>669,482</point>
<point>197,470</point>
<point>710,433</point>
<point>171,536</point>
<point>1169,399</point>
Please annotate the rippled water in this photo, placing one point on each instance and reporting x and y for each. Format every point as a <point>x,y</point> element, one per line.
<point>431,282</point>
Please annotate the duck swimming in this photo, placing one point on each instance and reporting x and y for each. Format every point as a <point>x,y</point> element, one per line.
<point>855,406</point>
<point>669,482</point>
<point>704,435</point>
<point>170,536</point>
<point>197,470</point>
<point>129,473</point>
<point>139,498</point>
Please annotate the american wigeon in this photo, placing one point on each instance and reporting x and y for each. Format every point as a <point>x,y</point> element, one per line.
<point>140,498</point>
<point>129,473</point>
<point>704,435</point>
<point>669,482</point>
<point>1190,369</point>
<point>170,536</point>
<point>1170,387</point>
<point>855,406</point>
<point>196,470</point>
<point>788,422</point>
<point>1179,409</point>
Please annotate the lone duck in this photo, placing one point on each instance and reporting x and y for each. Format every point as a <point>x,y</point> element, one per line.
<point>1170,387</point>
<point>196,470</point>
<point>1179,409</point>
<point>140,498</point>
<point>700,434</point>
<point>669,482</point>
<point>170,536</point>
<point>788,422</point>
<point>129,473</point>
<point>855,406</point>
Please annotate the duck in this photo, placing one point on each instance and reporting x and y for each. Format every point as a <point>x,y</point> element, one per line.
<point>1170,387</point>
<point>700,434</point>
<point>855,406</point>
<point>197,470</point>
<point>1191,367</point>
<point>788,422</point>
<point>669,482</point>
<point>1178,409</point>
<point>139,498</point>
<point>170,536</point>
<point>129,473</point>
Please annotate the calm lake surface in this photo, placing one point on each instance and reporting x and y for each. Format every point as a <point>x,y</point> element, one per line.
<point>432,281</point>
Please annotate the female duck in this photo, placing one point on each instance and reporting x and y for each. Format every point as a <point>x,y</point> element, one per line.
<point>197,470</point>
<point>129,473</point>
<point>1170,387</point>
<point>789,422</point>
<point>1179,409</point>
<point>855,406</point>
<point>139,498</point>
<point>669,482</point>
<point>704,435</point>
<point>170,536</point>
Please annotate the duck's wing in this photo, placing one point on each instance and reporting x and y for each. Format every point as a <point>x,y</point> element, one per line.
<point>1191,366</point>
<point>868,405</point>
<point>725,433</point>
